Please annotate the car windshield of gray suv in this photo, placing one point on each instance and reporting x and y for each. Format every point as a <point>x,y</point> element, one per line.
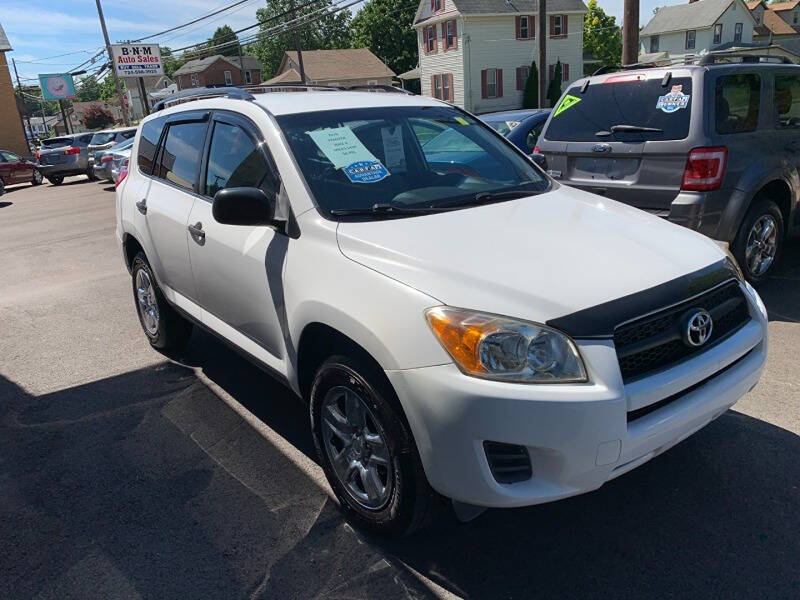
<point>405,161</point>
<point>623,108</point>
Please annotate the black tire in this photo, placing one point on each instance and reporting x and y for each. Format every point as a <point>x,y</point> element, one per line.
<point>56,179</point>
<point>36,178</point>
<point>412,503</point>
<point>172,331</point>
<point>2,186</point>
<point>761,207</point>
<point>90,174</point>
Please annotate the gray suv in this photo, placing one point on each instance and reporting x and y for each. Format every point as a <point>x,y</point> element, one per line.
<point>714,146</point>
<point>105,140</point>
<point>62,156</point>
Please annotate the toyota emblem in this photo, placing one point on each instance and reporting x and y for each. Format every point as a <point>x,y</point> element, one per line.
<point>698,328</point>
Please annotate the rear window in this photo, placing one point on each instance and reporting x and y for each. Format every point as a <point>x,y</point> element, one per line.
<point>590,116</point>
<point>736,102</point>
<point>56,142</point>
<point>787,101</point>
<point>103,138</point>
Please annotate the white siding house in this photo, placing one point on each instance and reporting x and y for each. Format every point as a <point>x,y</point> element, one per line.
<point>688,29</point>
<point>477,53</point>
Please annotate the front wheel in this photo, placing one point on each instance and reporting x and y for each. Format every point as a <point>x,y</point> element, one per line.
<point>759,241</point>
<point>90,174</point>
<point>37,178</point>
<point>2,186</point>
<point>163,326</point>
<point>367,450</point>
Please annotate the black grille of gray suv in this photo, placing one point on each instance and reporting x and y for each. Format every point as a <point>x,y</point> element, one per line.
<point>656,341</point>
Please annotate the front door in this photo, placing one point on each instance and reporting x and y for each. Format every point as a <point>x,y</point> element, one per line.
<point>20,170</point>
<point>238,269</point>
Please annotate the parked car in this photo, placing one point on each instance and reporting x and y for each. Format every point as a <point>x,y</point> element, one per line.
<point>15,169</point>
<point>713,146</point>
<point>104,159</point>
<point>119,170</point>
<point>478,332</point>
<point>107,139</point>
<point>521,127</point>
<point>63,156</point>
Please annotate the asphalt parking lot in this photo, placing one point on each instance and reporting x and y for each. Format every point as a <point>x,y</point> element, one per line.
<point>125,474</point>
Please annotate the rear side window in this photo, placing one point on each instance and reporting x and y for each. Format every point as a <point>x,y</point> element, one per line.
<point>84,140</point>
<point>234,160</point>
<point>623,100</point>
<point>787,101</point>
<point>180,154</point>
<point>148,141</point>
<point>736,103</point>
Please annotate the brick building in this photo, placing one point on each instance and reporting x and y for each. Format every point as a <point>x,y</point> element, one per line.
<point>12,133</point>
<point>218,70</point>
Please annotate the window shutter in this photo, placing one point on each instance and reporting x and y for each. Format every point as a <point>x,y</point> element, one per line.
<point>433,81</point>
<point>551,72</point>
<point>564,72</point>
<point>518,33</point>
<point>552,25</point>
<point>531,26</point>
<point>499,83</point>
<point>450,76</point>
<point>564,28</point>
<point>519,78</point>
<point>483,83</point>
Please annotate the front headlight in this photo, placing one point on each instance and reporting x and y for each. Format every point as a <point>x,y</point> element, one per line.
<point>494,347</point>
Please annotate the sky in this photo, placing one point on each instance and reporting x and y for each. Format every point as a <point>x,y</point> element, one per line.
<point>43,31</point>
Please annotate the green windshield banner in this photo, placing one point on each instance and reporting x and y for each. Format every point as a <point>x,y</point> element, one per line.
<point>568,102</point>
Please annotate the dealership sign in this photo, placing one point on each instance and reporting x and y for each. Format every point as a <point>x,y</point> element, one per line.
<point>57,86</point>
<point>137,60</point>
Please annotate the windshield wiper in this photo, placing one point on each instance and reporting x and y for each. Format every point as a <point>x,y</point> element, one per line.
<point>488,197</point>
<point>384,208</point>
<point>635,129</point>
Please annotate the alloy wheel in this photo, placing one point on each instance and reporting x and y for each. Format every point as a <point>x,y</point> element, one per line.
<point>762,245</point>
<point>37,177</point>
<point>146,298</point>
<point>356,447</point>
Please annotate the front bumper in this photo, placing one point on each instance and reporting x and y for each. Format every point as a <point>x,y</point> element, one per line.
<point>103,171</point>
<point>577,436</point>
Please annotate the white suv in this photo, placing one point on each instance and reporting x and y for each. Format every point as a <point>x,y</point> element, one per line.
<point>461,325</point>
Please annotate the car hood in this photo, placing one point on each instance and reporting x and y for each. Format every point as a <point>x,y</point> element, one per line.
<point>536,258</point>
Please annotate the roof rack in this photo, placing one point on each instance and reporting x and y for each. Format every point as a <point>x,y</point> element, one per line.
<point>277,87</point>
<point>717,57</point>
<point>201,94</point>
<point>375,87</point>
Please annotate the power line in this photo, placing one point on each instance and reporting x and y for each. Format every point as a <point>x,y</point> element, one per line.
<point>197,20</point>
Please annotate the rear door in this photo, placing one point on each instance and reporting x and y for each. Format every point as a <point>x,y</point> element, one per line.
<point>624,137</point>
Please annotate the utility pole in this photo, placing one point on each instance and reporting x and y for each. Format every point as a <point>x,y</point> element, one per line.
<point>22,95</point>
<point>297,44</point>
<point>630,32</point>
<point>117,85</point>
<point>241,62</point>
<point>543,70</point>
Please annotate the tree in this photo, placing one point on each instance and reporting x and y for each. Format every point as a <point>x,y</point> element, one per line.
<point>97,117</point>
<point>171,62</point>
<point>224,35</point>
<point>530,98</point>
<point>320,33</point>
<point>384,29</point>
<point>87,90</point>
<point>107,90</point>
<point>554,89</point>
<point>602,38</point>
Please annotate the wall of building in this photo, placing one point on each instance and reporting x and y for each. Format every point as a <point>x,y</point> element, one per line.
<point>12,134</point>
<point>450,61</point>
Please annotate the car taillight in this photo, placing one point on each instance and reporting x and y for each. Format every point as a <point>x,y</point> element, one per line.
<point>537,150</point>
<point>624,78</point>
<point>123,172</point>
<point>38,154</point>
<point>107,158</point>
<point>704,169</point>
<point>72,150</point>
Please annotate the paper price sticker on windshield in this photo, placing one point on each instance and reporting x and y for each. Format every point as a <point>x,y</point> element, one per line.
<point>673,101</point>
<point>366,171</point>
<point>341,146</point>
<point>568,102</point>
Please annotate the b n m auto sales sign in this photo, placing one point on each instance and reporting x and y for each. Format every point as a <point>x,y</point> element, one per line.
<point>137,60</point>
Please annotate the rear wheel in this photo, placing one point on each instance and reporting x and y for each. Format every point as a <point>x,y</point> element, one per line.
<point>367,450</point>
<point>163,326</point>
<point>55,179</point>
<point>90,174</point>
<point>2,186</point>
<point>37,178</point>
<point>760,240</point>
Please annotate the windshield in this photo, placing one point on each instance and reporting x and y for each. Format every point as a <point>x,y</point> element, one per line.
<point>409,157</point>
<point>56,142</point>
<point>102,138</point>
<point>501,126</point>
<point>663,111</point>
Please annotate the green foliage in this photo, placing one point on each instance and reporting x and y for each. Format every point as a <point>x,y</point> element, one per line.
<point>97,117</point>
<point>554,89</point>
<point>222,35</point>
<point>530,98</point>
<point>34,103</point>
<point>383,26</point>
<point>328,32</point>
<point>602,38</point>
<point>107,89</point>
<point>87,89</point>
<point>171,62</point>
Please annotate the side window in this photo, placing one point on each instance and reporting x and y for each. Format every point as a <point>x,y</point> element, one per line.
<point>126,135</point>
<point>180,155</point>
<point>85,140</point>
<point>787,101</point>
<point>533,135</point>
<point>148,140</point>
<point>11,157</point>
<point>736,103</point>
<point>234,160</point>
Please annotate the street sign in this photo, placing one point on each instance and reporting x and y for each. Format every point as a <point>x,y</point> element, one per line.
<point>57,86</point>
<point>137,60</point>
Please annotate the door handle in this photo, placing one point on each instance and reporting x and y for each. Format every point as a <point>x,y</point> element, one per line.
<point>197,232</point>
<point>142,206</point>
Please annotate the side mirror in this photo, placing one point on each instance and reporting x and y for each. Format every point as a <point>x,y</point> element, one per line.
<point>540,160</point>
<point>243,206</point>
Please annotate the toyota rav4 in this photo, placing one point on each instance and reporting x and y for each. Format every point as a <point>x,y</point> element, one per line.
<point>461,325</point>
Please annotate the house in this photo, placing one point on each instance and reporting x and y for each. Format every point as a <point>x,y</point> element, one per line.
<point>151,84</point>
<point>772,29</point>
<point>40,126</point>
<point>349,66</point>
<point>12,132</point>
<point>688,29</point>
<point>218,70</point>
<point>788,11</point>
<point>477,53</point>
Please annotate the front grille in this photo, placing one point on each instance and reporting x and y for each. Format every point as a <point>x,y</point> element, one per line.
<point>655,342</point>
<point>509,463</point>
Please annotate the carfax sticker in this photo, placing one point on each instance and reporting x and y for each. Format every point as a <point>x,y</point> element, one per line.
<point>673,101</point>
<point>366,171</point>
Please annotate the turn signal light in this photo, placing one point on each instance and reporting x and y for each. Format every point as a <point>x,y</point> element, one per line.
<point>72,150</point>
<point>704,169</point>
